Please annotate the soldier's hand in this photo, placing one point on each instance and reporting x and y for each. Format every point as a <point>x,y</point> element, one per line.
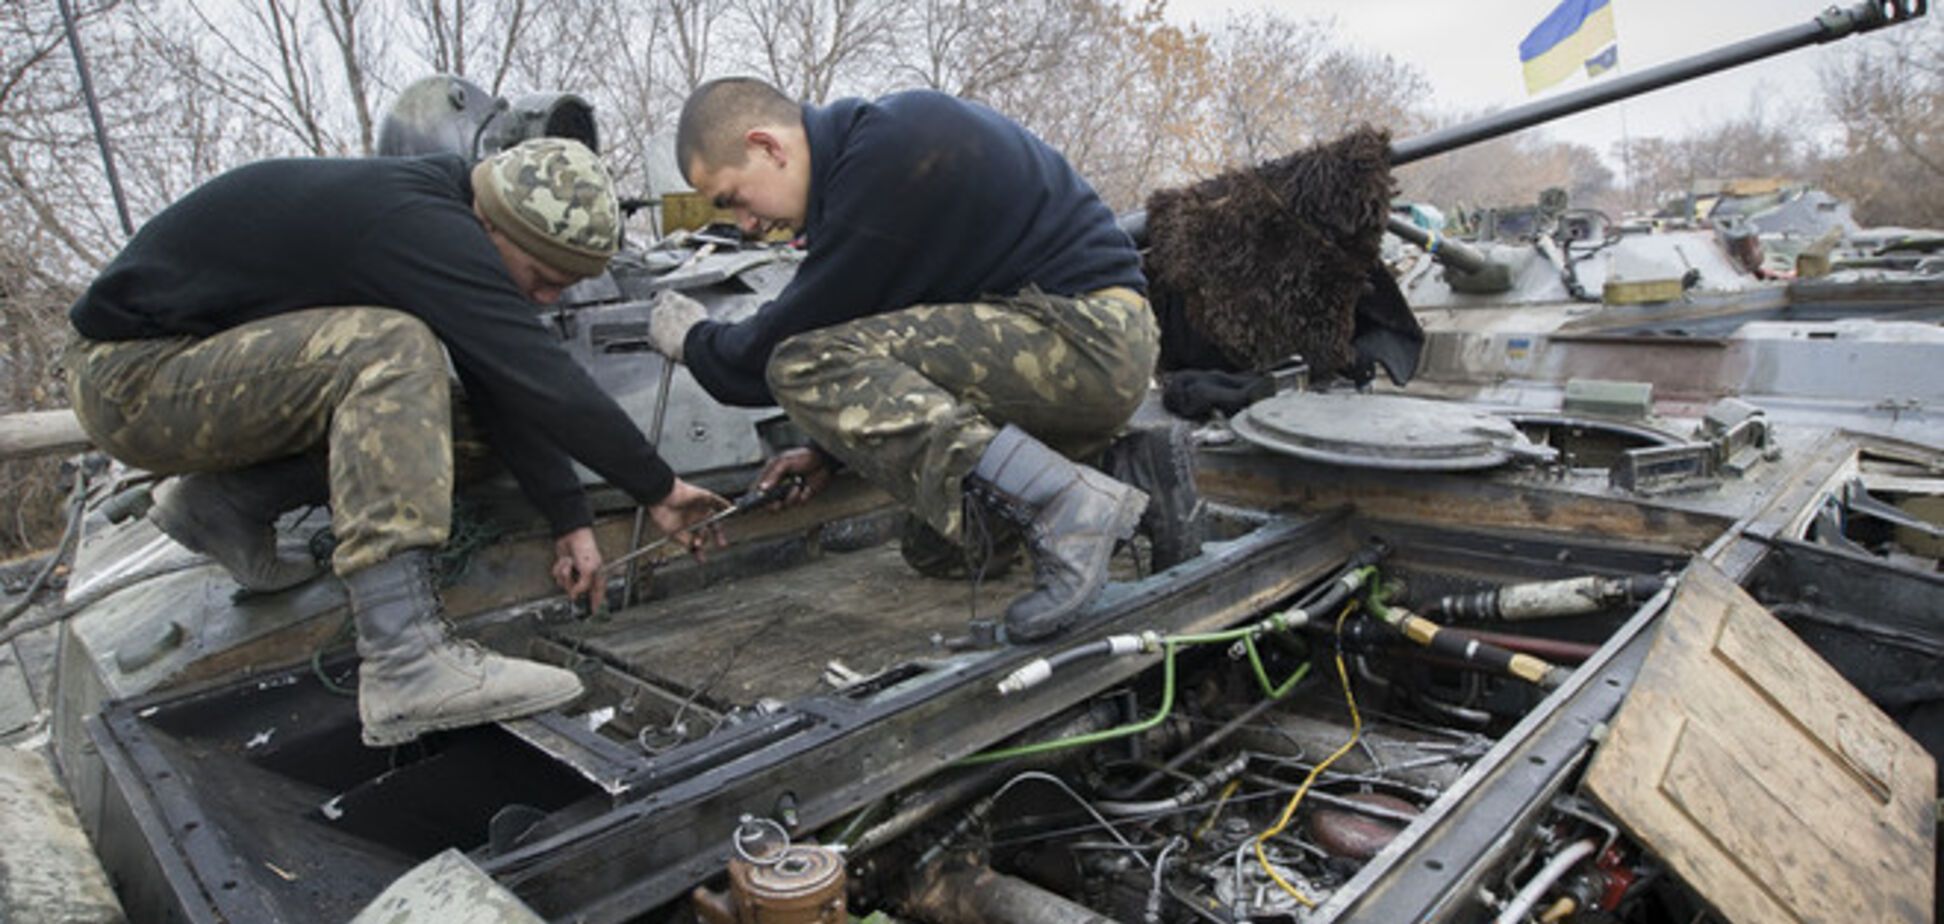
<point>674,316</point>
<point>808,464</point>
<point>577,567</point>
<point>685,506</point>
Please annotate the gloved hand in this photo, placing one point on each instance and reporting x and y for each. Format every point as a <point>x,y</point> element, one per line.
<point>674,314</point>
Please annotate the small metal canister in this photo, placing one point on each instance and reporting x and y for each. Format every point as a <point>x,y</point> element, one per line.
<point>772,881</point>
<point>803,886</point>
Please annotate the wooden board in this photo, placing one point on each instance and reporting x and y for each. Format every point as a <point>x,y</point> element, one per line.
<point>772,636</point>
<point>1761,777</point>
<point>34,433</point>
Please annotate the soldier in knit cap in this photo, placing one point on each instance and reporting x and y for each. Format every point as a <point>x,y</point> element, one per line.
<point>281,335</point>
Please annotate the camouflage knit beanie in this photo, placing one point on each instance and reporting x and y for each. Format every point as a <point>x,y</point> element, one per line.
<point>552,198</point>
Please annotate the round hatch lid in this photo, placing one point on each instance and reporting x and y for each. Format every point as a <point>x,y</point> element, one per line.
<point>1383,431</point>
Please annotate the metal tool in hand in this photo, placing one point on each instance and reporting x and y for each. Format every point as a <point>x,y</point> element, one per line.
<point>776,492</point>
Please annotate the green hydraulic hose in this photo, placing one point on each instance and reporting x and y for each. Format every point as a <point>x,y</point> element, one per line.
<point>1262,674</point>
<point>1041,747</point>
<point>1275,622</point>
<point>1246,635</point>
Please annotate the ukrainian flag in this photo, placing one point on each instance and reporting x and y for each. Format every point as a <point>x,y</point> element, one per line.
<point>1574,33</point>
<point>1606,60</point>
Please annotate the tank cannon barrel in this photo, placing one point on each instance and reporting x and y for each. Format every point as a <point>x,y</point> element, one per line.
<point>1830,25</point>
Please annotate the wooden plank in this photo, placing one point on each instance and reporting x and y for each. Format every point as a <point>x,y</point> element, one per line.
<point>772,636</point>
<point>35,433</point>
<point>1761,777</point>
<point>1793,680</point>
<point>1749,816</point>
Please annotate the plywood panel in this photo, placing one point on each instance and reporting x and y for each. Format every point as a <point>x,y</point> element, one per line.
<point>1764,779</point>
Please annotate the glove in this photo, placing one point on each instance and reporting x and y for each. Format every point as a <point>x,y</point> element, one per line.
<point>674,315</point>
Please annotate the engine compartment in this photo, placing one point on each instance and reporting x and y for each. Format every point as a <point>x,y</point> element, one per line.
<point>1176,731</point>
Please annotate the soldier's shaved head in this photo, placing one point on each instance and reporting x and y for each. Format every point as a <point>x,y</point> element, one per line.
<point>718,114</point>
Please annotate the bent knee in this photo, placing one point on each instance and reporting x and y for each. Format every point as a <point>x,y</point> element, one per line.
<point>365,337</point>
<point>801,360</point>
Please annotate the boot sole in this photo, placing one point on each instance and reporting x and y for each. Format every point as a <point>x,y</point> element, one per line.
<point>1176,539</point>
<point>1127,516</point>
<point>406,732</point>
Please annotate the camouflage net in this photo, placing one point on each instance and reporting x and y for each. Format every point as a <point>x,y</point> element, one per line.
<point>1271,260</point>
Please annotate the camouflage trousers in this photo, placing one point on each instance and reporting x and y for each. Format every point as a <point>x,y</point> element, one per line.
<point>369,384</point>
<point>910,399</point>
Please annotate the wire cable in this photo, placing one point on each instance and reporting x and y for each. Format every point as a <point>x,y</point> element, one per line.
<point>77,504</point>
<point>1289,811</point>
<point>1076,797</point>
<point>1216,812</point>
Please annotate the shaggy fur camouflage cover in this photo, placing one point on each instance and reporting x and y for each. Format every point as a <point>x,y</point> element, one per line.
<point>1272,259</point>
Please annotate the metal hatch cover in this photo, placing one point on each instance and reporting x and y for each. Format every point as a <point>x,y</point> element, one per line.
<point>1383,431</point>
<point>1761,777</point>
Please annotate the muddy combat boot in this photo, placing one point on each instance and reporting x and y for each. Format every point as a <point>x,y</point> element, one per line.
<point>1161,462</point>
<point>1072,516</point>
<point>414,679</point>
<point>231,517</point>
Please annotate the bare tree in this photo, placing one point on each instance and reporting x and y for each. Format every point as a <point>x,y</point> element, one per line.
<point>349,25</point>
<point>1888,98</point>
<point>47,182</point>
<point>470,38</point>
<point>48,235</point>
<point>442,30</point>
<point>1117,99</point>
<point>1756,144</point>
<point>1509,171</point>
<point>807,47</point>
<point>564,45</point>
<point>692,31</point>
<point>614,53</point>
<point>971,49</point>
<point>265,66</point>
<point>1282,84</point>
<point>1265,63</point>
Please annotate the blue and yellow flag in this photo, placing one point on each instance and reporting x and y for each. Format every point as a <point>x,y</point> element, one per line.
<point>1606,60</point>
<point>1576,32</point>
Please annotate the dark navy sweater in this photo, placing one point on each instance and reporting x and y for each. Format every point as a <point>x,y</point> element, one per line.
<point>285,235</point>
<point>920,198</point>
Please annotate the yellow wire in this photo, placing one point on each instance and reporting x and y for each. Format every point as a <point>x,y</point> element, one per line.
<point>1227,791</point>
<point>1289,811</point>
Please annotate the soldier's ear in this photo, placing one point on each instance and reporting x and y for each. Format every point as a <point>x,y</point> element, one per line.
<point>764,142</point>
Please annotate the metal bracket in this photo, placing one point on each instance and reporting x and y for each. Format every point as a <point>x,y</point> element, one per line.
<point>1663,468</point>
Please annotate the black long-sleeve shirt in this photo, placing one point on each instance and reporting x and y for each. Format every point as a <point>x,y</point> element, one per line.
<point>920,198</point>
<point>286,235</point>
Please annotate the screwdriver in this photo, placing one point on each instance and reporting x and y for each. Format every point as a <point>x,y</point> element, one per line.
<point>774,493</point>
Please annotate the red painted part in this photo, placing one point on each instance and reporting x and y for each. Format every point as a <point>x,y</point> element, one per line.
<point>1345,833</point>
<point>1618,875</point>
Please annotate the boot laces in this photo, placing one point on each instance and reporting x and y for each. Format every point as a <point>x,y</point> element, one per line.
<point>972,518</point>
<point>466,650</point>
<point>449,640</point>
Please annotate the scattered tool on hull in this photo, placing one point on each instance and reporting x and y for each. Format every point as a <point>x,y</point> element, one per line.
<point>770,495</point>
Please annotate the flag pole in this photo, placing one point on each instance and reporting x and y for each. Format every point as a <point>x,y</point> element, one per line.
<point>1626,161</point>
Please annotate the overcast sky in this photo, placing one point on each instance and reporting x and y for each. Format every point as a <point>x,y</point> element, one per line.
<point>1468,50</point>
